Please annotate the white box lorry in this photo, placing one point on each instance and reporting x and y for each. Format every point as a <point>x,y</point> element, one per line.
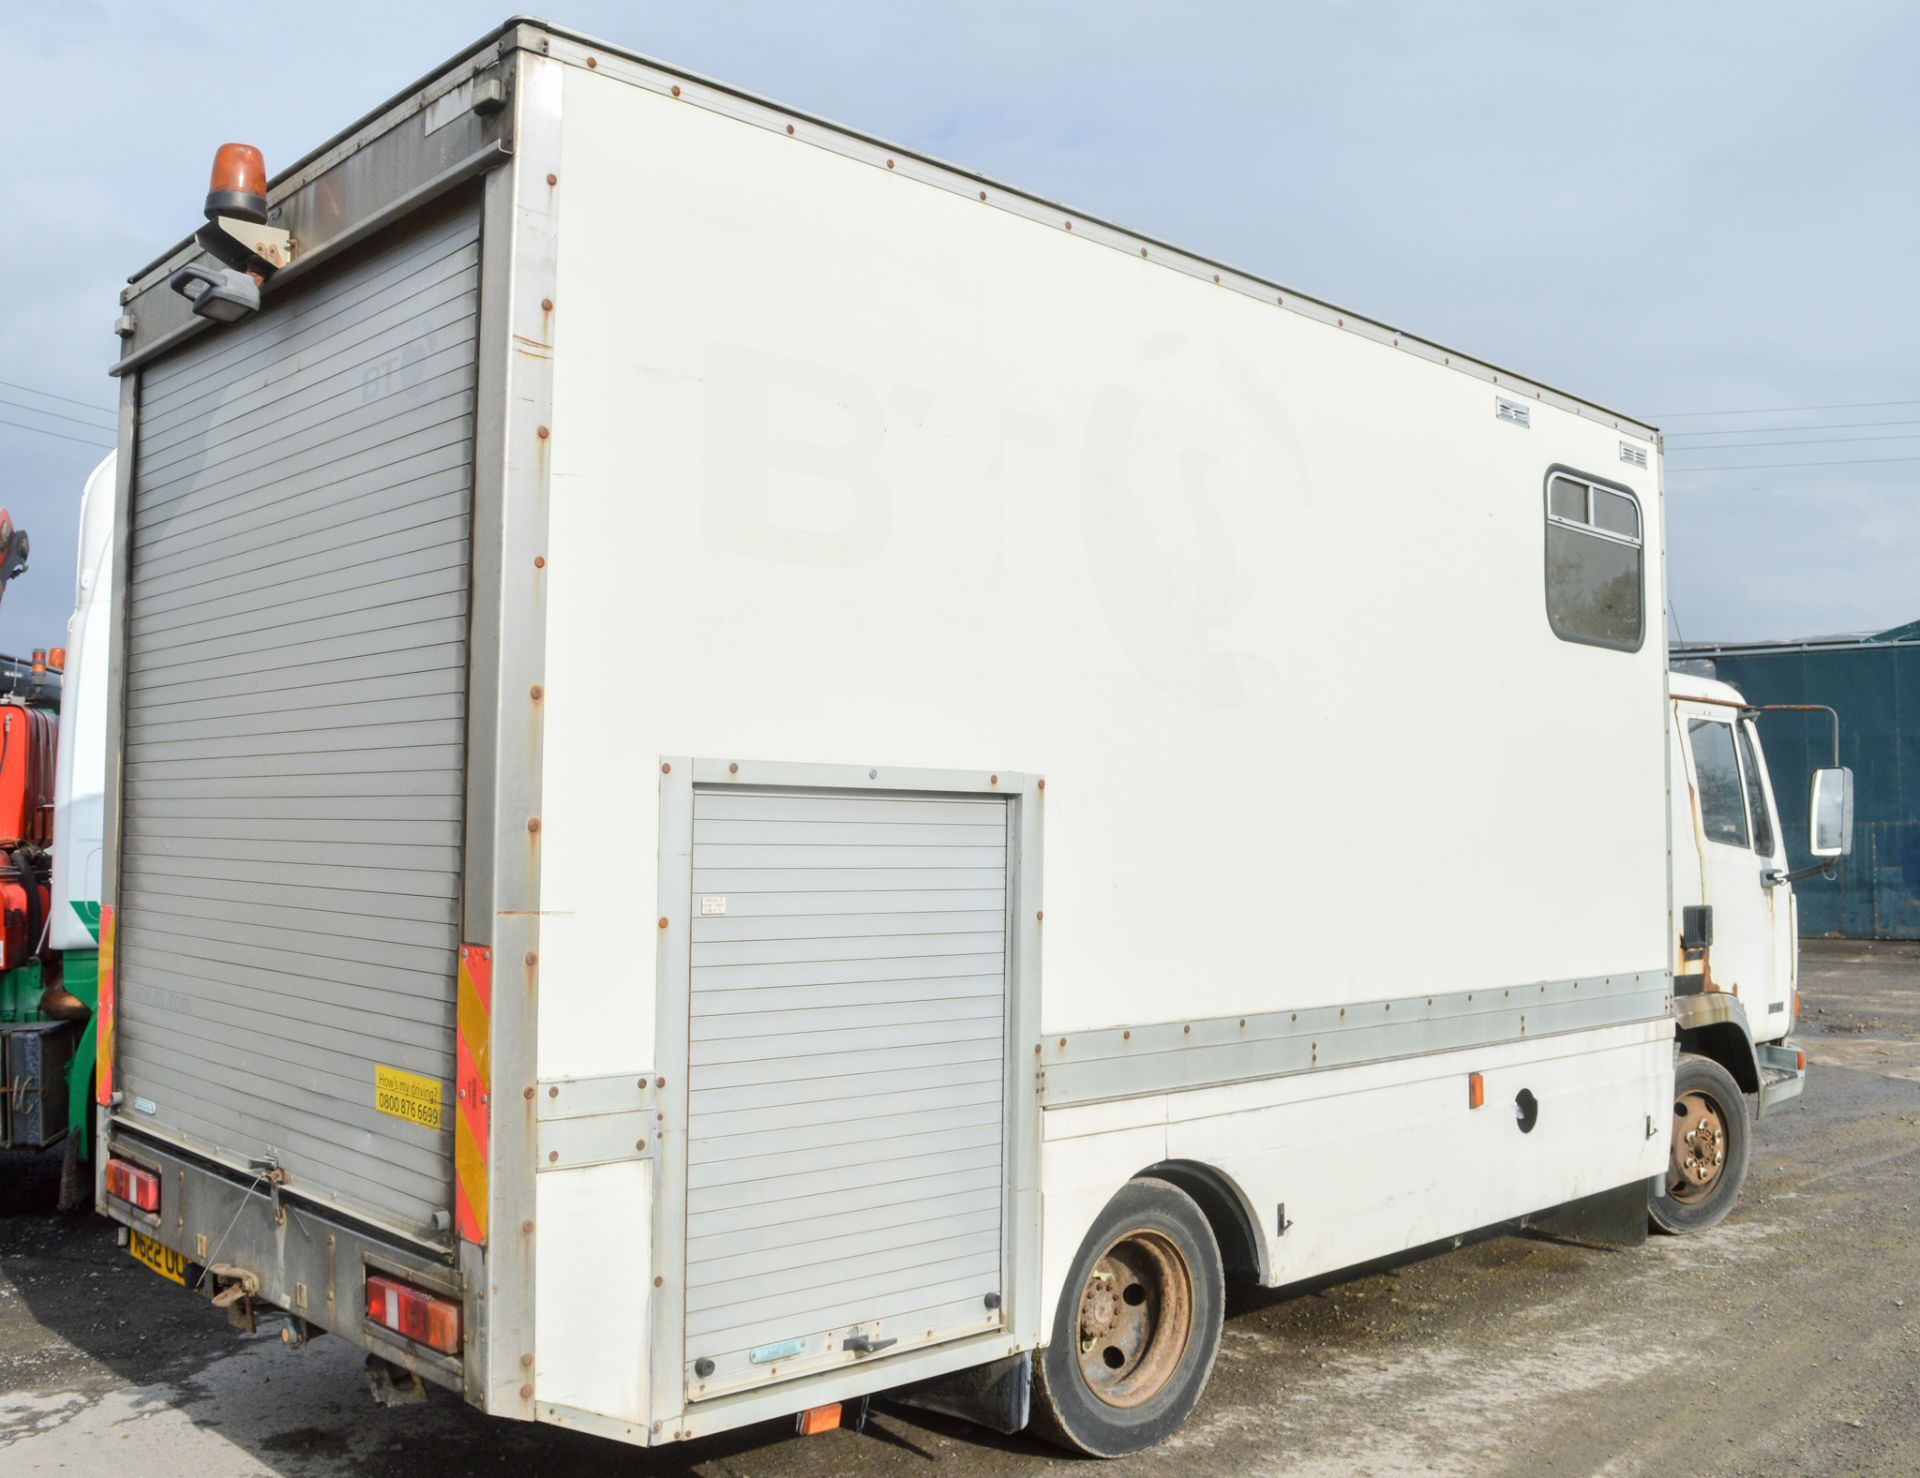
<point>790,810</point>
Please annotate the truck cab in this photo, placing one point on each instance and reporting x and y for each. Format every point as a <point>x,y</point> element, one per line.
<point>1735,946</point>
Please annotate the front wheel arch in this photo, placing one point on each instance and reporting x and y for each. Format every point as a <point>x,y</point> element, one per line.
<point>1727,1043</point>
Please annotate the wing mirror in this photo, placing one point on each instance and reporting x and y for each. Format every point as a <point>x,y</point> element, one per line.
<point>1830,813</point>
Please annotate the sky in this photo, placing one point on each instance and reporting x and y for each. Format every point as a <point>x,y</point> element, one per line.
<point>1704,214</point>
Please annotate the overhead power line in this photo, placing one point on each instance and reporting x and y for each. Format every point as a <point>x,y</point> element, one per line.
<point>40,410</point>
<point>1781,410</point>
<point>105,446</point>
<point>1735,446</point>
<point>1776,466</point>
<point>1817,426</point>
<point>98,410</point>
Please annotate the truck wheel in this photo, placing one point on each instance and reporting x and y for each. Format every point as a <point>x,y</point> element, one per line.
<point>1708,1162</point>
<point>1137,1328</point>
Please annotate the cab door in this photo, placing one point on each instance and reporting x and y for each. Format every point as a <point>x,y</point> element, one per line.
<point>1738,846</point>
<point>1775,1018</point>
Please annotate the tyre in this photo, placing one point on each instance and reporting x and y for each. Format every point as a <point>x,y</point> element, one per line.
<point>1712,1132</point>
<point>1137,1328</point>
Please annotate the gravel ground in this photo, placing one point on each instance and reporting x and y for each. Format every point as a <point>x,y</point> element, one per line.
<point>1786,1341</point>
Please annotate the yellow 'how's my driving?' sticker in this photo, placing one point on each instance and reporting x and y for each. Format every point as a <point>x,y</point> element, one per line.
<point>407,1096</point>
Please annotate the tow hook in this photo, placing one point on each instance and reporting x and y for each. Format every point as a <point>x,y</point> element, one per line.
<point>233,1290</point>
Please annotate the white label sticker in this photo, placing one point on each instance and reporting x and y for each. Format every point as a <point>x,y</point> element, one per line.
<point>713,905</point>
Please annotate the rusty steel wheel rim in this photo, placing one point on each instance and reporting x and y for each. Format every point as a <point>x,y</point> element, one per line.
<point>1136,1314</point>
<point>1699,1147</point>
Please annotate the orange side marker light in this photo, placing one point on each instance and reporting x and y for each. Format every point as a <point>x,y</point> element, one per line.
<point>1476,1091</point>
<point>817,1419</point>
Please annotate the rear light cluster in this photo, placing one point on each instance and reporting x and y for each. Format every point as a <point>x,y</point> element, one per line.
<point>138,1187</point>
<point>424,1318</point>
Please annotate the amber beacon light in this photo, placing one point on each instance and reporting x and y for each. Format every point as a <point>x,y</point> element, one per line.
<point>239,184</point>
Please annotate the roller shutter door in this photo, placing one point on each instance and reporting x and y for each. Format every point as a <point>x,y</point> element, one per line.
<point>295,722</point>
<point>847,1066</point>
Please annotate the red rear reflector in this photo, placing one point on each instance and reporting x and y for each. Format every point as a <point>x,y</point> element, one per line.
<point>136,1186</point>
<point>817,1419</point>
<point>1476,1091</point>
<point>424,1318</point>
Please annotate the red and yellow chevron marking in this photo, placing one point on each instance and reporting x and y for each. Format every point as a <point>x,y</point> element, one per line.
<point>474,1092</point>
<point>103,1027</point>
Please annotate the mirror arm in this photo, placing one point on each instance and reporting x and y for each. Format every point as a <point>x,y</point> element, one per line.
<point>1829,869</point>
<point>1832,714</point>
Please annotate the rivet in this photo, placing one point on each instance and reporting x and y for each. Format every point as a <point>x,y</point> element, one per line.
<point>789,128</point>
<point>1342,322</point>
<point>552,1155</point>
<point>1143,251</point>
<point>533,823</point>
<point>873,774</point>
<point>640,1145</point>
<point>889,164</point>
<point>993,779</point>
<point>526,1360</point>
<point>546,305</point>
<point>1243,1023</point>
<point>536,692</point>
<point>1038,916</point>
<point>1216,278</point>
<point>553,1093</point>
<point>666,769</point>
<point>526,1229</point>
<point>526,1393</point>
<point>1063,1044</point>
<point>539,561</point>
<point>1126,1036</point>
<point>983,194</point>
<point>659,1282</point>
<point>593,63</point>
<point>1069,225</point>
<point>1036,1049</point>
<point>553,179</point>
<point>659,1082</point>
<point>543,433</point>
<point>676,93</point>
<point>1187,1031</point>
<point>1040,784</point>
<point>663,923</point>
<point>734,768</point>
<point>528,1094</point>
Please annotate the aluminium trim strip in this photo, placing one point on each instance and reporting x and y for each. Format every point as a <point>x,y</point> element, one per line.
<point>1126,1062</point>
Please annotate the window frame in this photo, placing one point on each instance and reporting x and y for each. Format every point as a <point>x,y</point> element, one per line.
<point>1592,531</point>
<point>1759,788</point>
<point>1693,721</point>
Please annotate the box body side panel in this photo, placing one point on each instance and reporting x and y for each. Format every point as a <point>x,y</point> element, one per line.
<point>847,470</point>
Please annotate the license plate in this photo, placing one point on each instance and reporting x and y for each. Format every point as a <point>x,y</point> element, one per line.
<point>163,1260</point>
